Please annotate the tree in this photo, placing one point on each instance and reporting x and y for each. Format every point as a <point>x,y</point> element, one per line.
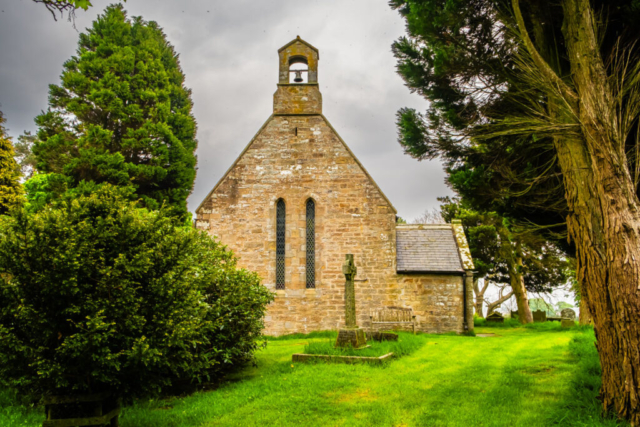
<point>10,188</point>
<point>535,109</point>
<point>432,216</point>
<point>100,295</point>
<point>507,256</point>
<point>24,154</point>
<point>122,115</point>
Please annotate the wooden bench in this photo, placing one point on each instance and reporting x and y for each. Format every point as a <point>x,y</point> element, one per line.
<point>393,316</point>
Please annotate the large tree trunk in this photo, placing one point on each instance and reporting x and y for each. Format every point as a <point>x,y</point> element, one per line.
<point>513,259</point>
<point>604,221</point>
<point>585,316</point>
<point>479,293</point>
<point>520,292</point>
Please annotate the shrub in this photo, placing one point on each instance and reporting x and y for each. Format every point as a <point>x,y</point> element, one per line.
<point>97,294</point>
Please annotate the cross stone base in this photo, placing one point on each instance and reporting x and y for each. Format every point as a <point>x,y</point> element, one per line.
<point>351,337</point>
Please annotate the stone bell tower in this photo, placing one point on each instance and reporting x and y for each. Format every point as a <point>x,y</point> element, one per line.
<point>298,92</point>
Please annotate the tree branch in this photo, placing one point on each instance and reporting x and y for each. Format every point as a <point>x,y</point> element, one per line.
<point>542,65</point>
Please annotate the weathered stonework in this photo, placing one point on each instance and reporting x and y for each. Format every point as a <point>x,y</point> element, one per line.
<point>297,155</point>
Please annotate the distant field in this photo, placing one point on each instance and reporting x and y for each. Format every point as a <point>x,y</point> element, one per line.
<point>536,376</point>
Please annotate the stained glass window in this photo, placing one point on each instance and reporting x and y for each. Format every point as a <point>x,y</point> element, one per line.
<point>311,244</point>
<point>280,242</point>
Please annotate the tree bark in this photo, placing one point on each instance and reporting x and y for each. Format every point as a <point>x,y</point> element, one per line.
<point>604,220</point>
<point>585,316</point>
<point>513,259</point>
<point>492,306</point>
<point>479,293</point>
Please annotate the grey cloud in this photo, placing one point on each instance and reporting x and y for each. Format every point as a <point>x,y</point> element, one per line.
<point>228,51</point>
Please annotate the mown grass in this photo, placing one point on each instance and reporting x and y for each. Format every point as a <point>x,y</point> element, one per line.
<point>407,343</point>
<point>536,376</point>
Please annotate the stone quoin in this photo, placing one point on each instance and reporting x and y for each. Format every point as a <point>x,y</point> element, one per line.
<point>297,200</point>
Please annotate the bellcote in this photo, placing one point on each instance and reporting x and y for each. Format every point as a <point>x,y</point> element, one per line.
<point>298,92</point>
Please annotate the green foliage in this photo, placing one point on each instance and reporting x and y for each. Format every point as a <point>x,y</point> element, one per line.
<point>98,294</point>
<point>41,189</point>
<point>24,154</point>
<point>495,243</point>
<point>407,343</point>
<point>122,115</point>
<point>465,59</point>
<point>10,188</point>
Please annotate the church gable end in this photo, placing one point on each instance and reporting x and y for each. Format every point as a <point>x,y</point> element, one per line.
<point>297,200</point>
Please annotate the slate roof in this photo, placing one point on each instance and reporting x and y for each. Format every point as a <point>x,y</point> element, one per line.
<point>427,249</point>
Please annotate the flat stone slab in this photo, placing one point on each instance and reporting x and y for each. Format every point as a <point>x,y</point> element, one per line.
<point>305,358</point>
<point>487,335</point>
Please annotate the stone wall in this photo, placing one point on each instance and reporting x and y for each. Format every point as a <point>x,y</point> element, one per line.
<point>300,157</point>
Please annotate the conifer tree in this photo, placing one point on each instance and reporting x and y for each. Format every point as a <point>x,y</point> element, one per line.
<point>10,187</point>
<point>535,108</point>
<point>122,114</point>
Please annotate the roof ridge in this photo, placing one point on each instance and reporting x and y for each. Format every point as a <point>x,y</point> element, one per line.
<point>298,39</point>
<point>443,226</point>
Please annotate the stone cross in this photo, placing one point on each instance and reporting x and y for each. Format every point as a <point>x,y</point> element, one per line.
<point>349,270</point>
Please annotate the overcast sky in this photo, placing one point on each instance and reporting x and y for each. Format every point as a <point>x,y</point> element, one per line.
<point>229,54</point>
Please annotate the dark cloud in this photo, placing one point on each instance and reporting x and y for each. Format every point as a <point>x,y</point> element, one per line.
<point>228,51</point>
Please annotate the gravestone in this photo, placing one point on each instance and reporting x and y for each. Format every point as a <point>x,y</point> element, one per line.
<point>567,323</point>
<point>568,313</point>
<point>495,317</point>
<point>539,316</point>
<point>350,335</point>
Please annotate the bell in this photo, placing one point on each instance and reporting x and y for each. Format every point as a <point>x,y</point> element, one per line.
<point>298,78</point>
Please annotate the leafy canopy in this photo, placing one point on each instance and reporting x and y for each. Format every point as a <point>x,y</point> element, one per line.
<point>10,188</point>
<point>122,115</point>
<point>100,295</point>
<point>465,58</point>
<point>494,242</point>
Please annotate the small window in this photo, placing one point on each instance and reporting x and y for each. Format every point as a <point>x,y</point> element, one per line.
<point>280,242</point>
<point>311,244</point>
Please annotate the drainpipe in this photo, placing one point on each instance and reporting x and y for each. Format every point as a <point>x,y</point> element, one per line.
<point>467,300</point>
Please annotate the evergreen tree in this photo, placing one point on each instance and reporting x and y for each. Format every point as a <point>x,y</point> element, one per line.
<point>24,154</point>
<point>507,255</point>
<point>122,114</point>
<point>10,188</point>
<point>535,108</point>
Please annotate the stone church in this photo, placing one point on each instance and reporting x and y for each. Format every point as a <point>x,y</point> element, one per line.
<point>297,200</point>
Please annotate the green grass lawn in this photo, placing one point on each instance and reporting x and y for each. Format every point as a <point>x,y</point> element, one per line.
<point>407,345</point>
<point>540,376</point>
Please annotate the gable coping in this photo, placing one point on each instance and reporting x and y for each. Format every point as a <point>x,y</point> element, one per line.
<point>264,125</point>
<point>353,156</point>
<point>298,39</point>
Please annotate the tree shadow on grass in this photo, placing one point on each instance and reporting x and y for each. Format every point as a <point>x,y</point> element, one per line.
<point>579,405</point>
